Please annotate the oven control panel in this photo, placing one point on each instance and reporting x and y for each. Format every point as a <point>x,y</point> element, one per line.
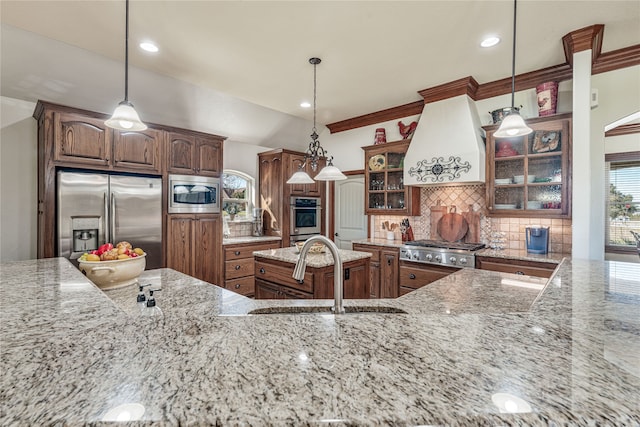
<point>446,257</point>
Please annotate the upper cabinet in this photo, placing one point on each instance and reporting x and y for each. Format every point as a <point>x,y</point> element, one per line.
<point>385,192</point>
<point>297,161</point>
<point>193,154</point>
<point>86,141</point>
<point>530,176</point>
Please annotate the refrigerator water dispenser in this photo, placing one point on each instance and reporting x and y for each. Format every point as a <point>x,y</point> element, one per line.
<point>85,233</point>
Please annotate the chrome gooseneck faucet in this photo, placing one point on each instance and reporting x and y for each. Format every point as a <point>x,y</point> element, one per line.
<point>301,265</point>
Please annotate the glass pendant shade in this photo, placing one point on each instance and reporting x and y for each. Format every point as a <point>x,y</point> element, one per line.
<point>300,177</point>
<point>511,126</point>
<point>125,118</point>
<point>330,173</point>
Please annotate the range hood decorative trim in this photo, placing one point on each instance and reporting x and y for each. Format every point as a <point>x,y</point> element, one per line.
<point>437,170</point>
<point>464,86</point>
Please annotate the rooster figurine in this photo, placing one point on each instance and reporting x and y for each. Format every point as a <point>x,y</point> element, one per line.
<point>407,130</point>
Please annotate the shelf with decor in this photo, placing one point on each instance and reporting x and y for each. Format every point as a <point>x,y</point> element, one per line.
<point>530,176</point>
<point>385,192</point>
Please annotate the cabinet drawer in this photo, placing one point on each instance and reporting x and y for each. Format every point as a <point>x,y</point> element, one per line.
<point>283,276</point>
<point>373,250</point>
<point>516,269</point>
<point>247,251</point>
<point>529,268</point>
<point>244,285</point>
<point>238,268</point>
<point>417,277</point>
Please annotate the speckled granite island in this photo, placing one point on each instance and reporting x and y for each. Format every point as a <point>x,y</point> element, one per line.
<point>474,348</point>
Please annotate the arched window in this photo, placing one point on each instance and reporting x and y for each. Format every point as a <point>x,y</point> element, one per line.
<point>237,195</point>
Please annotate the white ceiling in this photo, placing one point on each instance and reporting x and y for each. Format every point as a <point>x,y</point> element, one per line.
<point>375,54</point>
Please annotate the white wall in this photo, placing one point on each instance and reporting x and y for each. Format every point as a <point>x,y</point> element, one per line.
<point>18,181</point>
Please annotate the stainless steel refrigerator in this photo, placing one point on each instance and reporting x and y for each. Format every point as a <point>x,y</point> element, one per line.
<point>95,208</point>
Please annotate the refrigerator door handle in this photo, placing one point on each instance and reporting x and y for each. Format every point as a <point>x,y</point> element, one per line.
<point>113,218</point>
<point>105,220</point>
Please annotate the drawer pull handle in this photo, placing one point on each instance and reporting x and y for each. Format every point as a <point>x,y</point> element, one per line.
<point>237,267</point>
<point>412,276</point>
<point>520,273</point>
<point>300,282</point>
<point>388,261</point>
<point>237,252</point>
<point>262,270</point>
<point>237,285</point>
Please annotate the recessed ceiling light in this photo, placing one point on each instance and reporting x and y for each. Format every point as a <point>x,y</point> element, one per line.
<point>305,104</point>
<point>490,41</point>
<point>148,46</point>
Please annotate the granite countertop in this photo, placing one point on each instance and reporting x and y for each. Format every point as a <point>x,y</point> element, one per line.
<point>249,239</point>
<point>516,254</point>
<point>472,346</point>
<point>315,260</point>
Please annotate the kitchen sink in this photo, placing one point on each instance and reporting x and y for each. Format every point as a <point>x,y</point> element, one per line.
<point>327,310</point>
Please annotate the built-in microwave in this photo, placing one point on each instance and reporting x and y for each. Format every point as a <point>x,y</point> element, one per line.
<point>194,194</point>
<point>306,216</point>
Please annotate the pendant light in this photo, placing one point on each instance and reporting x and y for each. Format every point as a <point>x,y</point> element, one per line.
<point>513,124</point>
<point>315,150</point>
<point>125,117</point>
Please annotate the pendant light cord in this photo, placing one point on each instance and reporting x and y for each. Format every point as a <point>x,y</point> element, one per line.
<point>315,64</point>
<point>126,54</point>
<point>513,57</point>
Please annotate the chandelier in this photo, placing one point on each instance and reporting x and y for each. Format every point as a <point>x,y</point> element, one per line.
<point>315,151</point>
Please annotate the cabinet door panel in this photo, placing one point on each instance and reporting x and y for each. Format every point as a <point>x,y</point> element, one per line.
<point>389,275</point>
<point>81,139</point>
<point>208,238</point>
<point>180,243</point>
<point>209,157</point>
<point>180,153</point>
<point>266,291</point>
<point>137,150</point>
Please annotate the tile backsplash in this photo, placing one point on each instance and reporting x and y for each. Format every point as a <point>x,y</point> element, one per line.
<point>472,197</point>
<point>237,228</point>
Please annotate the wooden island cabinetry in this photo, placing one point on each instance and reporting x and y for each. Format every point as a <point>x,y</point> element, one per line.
<point>239,266</point>
<point>274,280</point>
<point>415,275</point>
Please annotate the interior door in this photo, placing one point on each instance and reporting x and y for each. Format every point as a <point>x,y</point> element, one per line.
<point>350,220</point>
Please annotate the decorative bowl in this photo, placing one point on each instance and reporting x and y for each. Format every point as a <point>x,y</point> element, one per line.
<point>503,181</point>
<point>114,274</point>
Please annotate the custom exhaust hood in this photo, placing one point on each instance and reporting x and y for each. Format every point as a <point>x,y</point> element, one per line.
<point>447,146</point>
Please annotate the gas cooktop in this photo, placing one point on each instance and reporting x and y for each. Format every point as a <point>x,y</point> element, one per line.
<point>443,244</point>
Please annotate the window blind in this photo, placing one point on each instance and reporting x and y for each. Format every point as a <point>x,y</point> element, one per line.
<point>622,172</point>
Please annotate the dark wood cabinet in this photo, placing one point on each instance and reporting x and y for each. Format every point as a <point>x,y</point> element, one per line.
<point>79,139</point>
<point>294,163</point>
<point>275,167</point>
<point>193,154</point>
<point>277,276</point>
<point>74,138</point>
<point>526,267</point>
<point>414,275</point>
<point>194,244</point>
<point>385,193</point>
<point>139,151</point>
<point>239,266</point>
<point>389,269</point>
<point>374,267</point>
<point>530,176</point>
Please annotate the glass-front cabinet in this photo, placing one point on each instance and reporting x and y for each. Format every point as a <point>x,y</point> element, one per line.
<point>385,192</point>
<point>530,176</point>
